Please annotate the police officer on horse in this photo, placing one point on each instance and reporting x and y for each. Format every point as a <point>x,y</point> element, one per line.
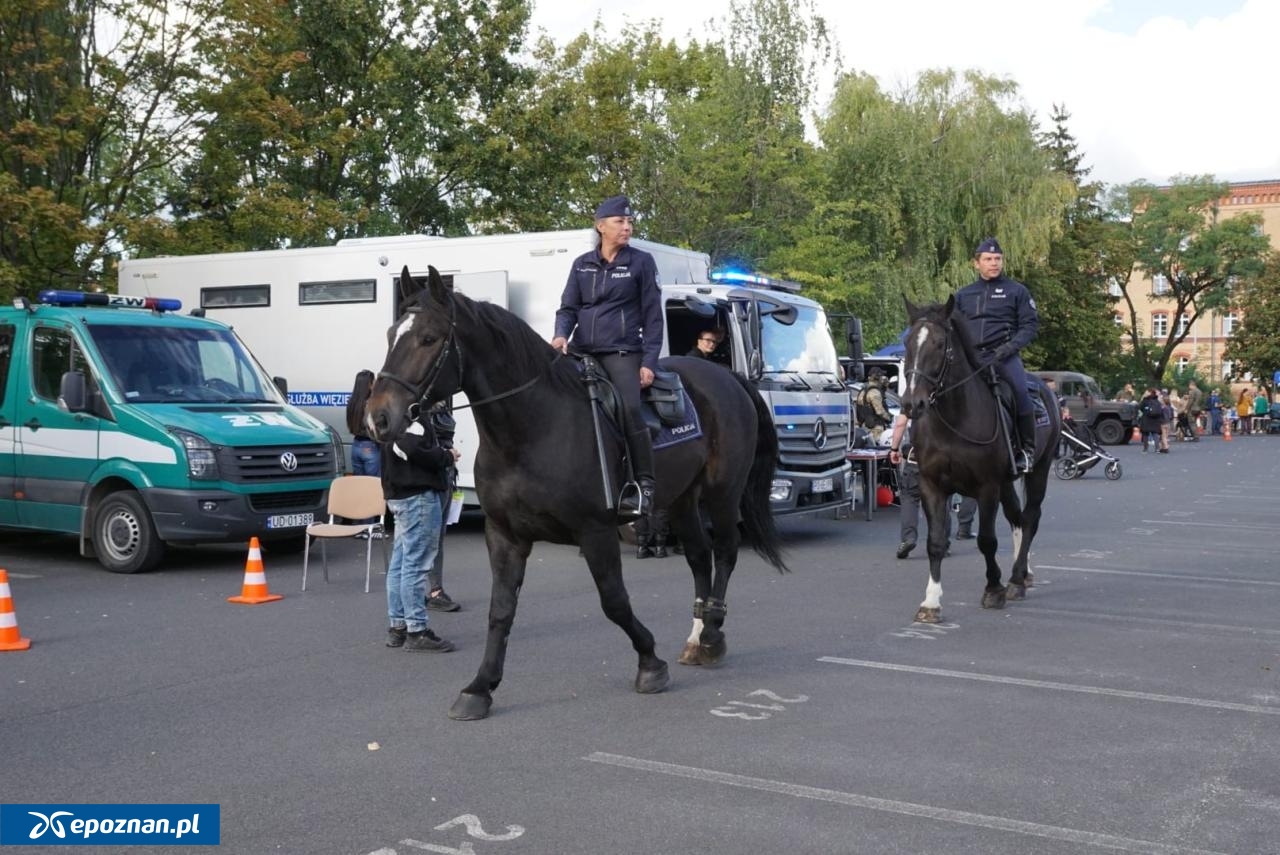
<point>1002,320</point>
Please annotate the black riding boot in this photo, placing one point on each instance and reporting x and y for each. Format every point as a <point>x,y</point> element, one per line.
<point>644,537</point>
<point>639,502</point>
<point>1027,435</point>
<point>661,530</point>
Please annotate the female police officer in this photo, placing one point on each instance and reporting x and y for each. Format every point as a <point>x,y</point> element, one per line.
<point>612,309</point>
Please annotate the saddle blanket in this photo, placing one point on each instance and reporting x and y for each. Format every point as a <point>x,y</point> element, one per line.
<point>667,436</point>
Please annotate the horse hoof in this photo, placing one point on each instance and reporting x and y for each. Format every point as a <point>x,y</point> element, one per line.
<point>993,599</point>
<point>652,682</point>
<point>714,653</point>
<point>691,655</point>
<point>1016,592</point>
<point>1031,580</point>
<point>470,707</point>
<point>924,614</point>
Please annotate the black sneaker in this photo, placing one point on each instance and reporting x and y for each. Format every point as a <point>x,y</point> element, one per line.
<point>396,636</point>
<point>904,549</point>
<point>441,602</point>
<point>644,552</point>
<point>964,534</point>
<point>428,641</point>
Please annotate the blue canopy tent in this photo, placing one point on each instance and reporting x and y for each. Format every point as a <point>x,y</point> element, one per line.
<point>895,349</point>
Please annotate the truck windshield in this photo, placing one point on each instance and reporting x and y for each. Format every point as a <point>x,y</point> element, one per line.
<point>804,347</point>
<point>154,364</point>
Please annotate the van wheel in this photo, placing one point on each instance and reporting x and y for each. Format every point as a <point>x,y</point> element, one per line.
<point>1110,432</point>
<point>124,536</point>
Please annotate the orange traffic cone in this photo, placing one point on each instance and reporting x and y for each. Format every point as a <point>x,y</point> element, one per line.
<point>10,638</point>
<point>1226,429</point>
<point>1137,434</point>
<point>254,590</point>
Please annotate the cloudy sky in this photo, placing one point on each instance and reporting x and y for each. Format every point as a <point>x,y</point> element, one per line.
<point>1155,88</point>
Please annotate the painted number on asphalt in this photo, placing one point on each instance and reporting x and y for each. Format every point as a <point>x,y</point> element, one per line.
<point>472,825</point>
<point>757,710</point>
<point>926,632</point>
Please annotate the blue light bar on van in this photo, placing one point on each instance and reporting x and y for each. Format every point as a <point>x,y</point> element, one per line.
<point>738,277</point>
<point>82,298</point>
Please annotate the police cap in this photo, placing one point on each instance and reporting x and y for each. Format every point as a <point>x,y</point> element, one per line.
<point>614,206</point>
<point>988,245</point>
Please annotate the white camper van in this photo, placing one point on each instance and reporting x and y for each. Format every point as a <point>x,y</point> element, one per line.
<point>316,316</point>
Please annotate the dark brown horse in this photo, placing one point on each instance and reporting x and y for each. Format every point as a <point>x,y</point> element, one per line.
<point>538,475</point>
<point>960,443</point>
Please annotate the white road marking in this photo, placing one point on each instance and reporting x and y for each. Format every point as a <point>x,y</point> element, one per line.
<point>1073,836</point>
<point>1181,577</point>
<point>1218,627</point>
<point>1237,526</point>
<point>1048,684</point>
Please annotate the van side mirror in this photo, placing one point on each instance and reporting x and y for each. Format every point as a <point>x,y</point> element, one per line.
<point>282,384</point>
<point>72,392</point>
<point>853,335</point>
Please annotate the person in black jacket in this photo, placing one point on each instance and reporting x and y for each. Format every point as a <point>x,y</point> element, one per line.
<point>1003,320</point>
<point>415,472</point>
<point>612,309</point>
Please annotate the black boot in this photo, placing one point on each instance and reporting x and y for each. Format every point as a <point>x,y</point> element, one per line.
<point>637,500</point>
<point>1026,456</point>
<point>661,530</point>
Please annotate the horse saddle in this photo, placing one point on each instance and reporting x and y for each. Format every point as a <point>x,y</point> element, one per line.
<point>1004,394</point>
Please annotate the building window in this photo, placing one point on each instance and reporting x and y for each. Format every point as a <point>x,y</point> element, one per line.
<point>1113,287</point>
<point>1182,362</point>
<point>1119,319</point>
<point>1159,325</point>
<point>1159,284</point>
<point>1228,369</point>
<point>1184,323</point>
<point>1229,321</point>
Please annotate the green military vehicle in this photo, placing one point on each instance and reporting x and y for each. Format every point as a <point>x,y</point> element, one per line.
<point>1112,422</point>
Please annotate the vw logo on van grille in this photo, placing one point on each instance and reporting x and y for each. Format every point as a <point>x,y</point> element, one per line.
<point>819,434</point>
<point>289,462</point>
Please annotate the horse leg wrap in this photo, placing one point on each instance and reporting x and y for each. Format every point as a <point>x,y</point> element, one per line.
<point>698,606</point>
<point>714,610</point>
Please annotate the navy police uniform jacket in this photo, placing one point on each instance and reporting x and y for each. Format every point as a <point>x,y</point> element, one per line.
<point>1002,316</point>
<point>613,307</point>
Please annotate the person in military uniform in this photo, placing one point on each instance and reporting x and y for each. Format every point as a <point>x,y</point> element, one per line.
<point>1002,320</point>
<point>871,411</point>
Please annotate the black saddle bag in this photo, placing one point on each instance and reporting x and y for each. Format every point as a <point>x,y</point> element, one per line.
<point>666,396</point>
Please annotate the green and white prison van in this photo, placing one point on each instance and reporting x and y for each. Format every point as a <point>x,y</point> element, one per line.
<point>131,426</point>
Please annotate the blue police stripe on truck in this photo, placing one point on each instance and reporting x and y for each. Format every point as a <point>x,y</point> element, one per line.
<point>810,410</point>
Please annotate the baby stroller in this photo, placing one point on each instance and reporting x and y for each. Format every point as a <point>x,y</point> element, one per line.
<point>1080,452</point>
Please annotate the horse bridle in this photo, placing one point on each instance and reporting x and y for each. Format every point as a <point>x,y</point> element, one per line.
<point>939,391</point>
<point>422,389</point>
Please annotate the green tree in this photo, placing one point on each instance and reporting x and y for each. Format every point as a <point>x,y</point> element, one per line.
<point>1174,233</point>
<point>324,119</point>
<point>1077,329</point>
<point>90,122</point>
<point>1254,346</point>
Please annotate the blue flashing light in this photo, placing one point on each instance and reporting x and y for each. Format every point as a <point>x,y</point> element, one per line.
<point>741,278</point>
<point>83,298</point>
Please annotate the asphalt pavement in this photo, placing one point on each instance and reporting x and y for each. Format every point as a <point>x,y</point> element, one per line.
<point>1130,704</point>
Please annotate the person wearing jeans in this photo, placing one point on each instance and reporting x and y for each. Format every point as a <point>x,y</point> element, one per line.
<point>414,474</point>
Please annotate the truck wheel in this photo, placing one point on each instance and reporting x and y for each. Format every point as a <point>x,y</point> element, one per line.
<point>124,536</point>
<point>1111,432</point>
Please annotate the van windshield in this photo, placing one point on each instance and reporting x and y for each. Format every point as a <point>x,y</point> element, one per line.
<point>175,364</point>
<point>804,346</point>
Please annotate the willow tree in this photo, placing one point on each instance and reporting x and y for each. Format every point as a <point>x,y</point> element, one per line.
<point>916,178</point>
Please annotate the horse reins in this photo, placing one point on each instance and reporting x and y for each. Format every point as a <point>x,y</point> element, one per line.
<point>422,389</point>
<point>948,356</point>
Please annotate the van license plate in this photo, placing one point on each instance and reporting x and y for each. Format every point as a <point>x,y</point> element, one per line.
<point>822,485</point>
<point>290,520</point>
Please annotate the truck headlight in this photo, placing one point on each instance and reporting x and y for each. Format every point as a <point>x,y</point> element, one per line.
<point>202,463</point>
<point>780,491</point>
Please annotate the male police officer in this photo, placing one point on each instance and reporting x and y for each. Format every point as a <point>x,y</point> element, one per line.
<point>1003,320</point>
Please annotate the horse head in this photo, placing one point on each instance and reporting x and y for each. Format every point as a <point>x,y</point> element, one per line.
<point>928,356</point>
<point>420,346</point>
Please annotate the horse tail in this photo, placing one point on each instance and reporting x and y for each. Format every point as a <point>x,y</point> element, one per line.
<point>757,517</point>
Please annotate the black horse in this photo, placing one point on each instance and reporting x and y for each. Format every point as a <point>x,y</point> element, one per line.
<point>538,474</point>
<point>961,446</point>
